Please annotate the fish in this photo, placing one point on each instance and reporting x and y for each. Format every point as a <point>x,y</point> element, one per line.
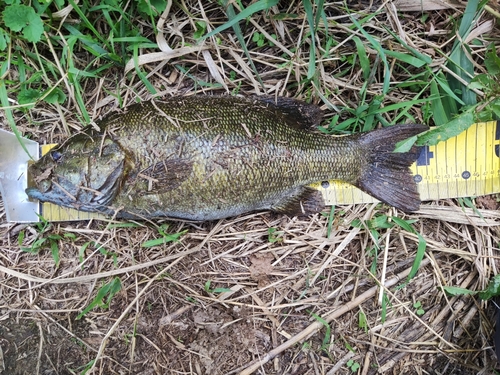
<point>208,157</point>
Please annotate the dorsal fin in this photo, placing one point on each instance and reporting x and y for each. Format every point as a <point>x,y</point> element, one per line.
<point>296,112</point>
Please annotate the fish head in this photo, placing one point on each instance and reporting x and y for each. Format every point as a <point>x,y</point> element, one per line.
<point>86,173</point>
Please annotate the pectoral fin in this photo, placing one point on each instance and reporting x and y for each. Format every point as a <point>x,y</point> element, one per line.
<point>304,201</point>
<point>167,174</point>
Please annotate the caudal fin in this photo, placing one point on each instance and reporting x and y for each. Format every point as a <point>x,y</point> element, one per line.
<point>387,175</point>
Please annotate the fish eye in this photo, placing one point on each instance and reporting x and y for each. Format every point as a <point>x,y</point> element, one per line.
<point>56,156</point>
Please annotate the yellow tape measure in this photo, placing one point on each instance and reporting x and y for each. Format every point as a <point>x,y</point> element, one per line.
<point>463,166</point>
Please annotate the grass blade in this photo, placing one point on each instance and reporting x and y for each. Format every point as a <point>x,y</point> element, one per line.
<point>311,70</point>
<point>364,62</point>
<point>109,289</point>
<point>440,116</point>
<point>404,57</point>
<point>231,15</point>
<point>459,62</point>
<point>247,12</point>
<point>381,52</point>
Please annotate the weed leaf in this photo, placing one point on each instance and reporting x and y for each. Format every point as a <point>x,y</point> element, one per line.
<point>163,240</point>
<point>28,96</point>
<point>492,290</point>
<point>109,290</point>
<point>247,12</point>
<point>449,130</point>
<point>4,39</point>
<point>21,17</point>
<point>406,144</point>
<point>457,291</point>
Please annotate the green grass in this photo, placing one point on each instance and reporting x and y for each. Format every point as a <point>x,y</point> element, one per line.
<point>165,237</point>
<point>103,297</point>
<point>57,77</point>
<point>45,238</point>
<point>65,65</point>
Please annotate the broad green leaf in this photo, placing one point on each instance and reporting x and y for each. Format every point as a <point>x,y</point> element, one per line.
<point>457,291</point>
<point>492,290</point>
<point>406,144</point>
<point>21,17</point>
<point>152,7</point>
<point>492,61</point>
<point>28,96</point>
<point>495,107</point>
<point>4,40</point>
<point>55,96</point>
<point>475,85</point>
<point>446,131</point>
<point>201,28</point>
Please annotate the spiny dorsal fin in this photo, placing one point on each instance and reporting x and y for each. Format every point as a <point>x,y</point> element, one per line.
<point>297,112</point>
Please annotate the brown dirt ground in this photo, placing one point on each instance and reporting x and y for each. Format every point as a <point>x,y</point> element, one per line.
<point>177,324</point>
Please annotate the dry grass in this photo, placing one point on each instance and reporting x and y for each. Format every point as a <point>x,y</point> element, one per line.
<point>278,294</point>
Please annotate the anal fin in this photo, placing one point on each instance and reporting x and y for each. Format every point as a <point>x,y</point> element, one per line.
<point>304,201</point>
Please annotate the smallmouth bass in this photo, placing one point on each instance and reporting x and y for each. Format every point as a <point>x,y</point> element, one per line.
<point>212,157</point>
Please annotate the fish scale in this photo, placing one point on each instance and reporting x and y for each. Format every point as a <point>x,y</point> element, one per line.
<point>210,157</point>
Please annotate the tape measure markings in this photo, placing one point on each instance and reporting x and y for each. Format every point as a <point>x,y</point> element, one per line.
<point>465,165</point>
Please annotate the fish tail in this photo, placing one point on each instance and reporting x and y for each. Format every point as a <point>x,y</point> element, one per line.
<point>387,175</point>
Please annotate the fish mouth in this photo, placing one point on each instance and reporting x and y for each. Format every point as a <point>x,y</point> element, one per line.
<point>51,196</point>
<point>34,194</point>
